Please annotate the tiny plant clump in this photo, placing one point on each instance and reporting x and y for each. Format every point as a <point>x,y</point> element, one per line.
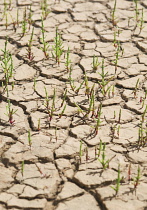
<point>46,46</point>
<point>118,181</point>
<point>7,66</point>
<point>95,63</point>
<point>10,112</point>
<point>29,54</point>
<point>58,48</point>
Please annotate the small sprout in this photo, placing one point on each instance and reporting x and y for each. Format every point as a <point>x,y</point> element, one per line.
<point>118,180</point>
<point>64,97</point>
<point>44,8</point>
<point>114,114</point>
<point>29,139</point>
<point>45,44</point>
<point>98,121</point>
<point>113,18</point>
<point>95,63</point>
<point>137,179</point>
<point>68,61</point>
<point>103,161</point>
<point>58,47</point>
<point>136,88</point>
<point>118,130</point>
<point>24,23</point>
<point>29,54</point>
<point>10,112</point>
<point>62,112</point>
<point>22,168</point>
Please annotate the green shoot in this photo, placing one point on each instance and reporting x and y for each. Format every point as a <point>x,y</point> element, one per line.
<point>10,112</point>
<point>68,61</point>
<point>45,44</point>
<point>7,64</point>
<point>44,8</point>
<point>113,19</point>
<point>103,161</point>
<point>137,178</point>
<point>22,168</point>
<point>58,47</point>
<point>29,139</point>
<point>95,63</point>
<point>29,54</point>
<point>118,180</point>
<point>136,88</point>
<point>24,23</point>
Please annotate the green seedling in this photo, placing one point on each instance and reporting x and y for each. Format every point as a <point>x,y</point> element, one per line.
<point>136,88</point>
<point>104,82</point>
<point>29,139</point>
<point>103,161</point>
<point>46,103</point>
<point>97,155</point>
<point>136,10</point>
<point>29,54</point>
<point>7,65</point>
<point>95,63</point>
<point>71,82</point>
<point>118,180</point>
<point>5,9</point>
<point>45,44</point>
<point>10,112</point>
<point>30,21</point>
<point>44,8</point>
<point>98,120</point>
<point>50,109</point>
<point>137,179</point>
<point>118,130</point>
<point>113,18</point>
<point>58,48</point>
<point>62,112</point>
<point>64,97</point>
<point>24,23</point>
<point>22,168</point>
<point>68,61</point>
<point>141,21</point>
<point>114,114</point>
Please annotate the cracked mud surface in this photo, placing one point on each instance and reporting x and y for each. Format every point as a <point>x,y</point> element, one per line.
<point>54,175</point>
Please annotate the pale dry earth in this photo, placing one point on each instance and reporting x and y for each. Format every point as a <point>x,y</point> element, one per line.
<point>53,176</point>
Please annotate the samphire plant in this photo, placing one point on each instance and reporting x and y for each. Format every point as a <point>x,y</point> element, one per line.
<point>45,47</point>
<point>10,112</point>
<point>7,66</point>
<point>58,48</point>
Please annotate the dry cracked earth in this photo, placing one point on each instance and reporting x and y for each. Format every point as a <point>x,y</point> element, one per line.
<point>73,135</point>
